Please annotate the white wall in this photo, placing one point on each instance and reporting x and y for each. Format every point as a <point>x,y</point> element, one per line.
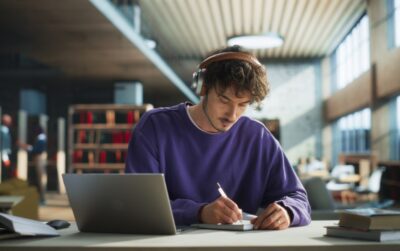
<point>295,99</point>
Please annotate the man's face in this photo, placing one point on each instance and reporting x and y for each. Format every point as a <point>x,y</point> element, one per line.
<point>225,108</point>
<point>6,120</point>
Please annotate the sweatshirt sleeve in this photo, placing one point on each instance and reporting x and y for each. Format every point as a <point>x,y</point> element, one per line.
<point>186,212</point>
<point>143,157</point>
<point>285,188</point>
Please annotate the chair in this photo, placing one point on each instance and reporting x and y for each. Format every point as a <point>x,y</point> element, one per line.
<point>29,205</point>
<point>318,196</point>
<point>370,192</point>
<point>323,206</point>
<point>321,201</point>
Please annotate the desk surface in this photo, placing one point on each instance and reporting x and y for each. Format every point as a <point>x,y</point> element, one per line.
<point>300,238</point>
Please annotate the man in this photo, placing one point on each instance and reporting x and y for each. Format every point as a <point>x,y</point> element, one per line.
<point>6,122</point>
<point>196,146</point>
<point>39,152</point>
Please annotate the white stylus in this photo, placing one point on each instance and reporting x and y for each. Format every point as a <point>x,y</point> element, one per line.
<point>221,191</point>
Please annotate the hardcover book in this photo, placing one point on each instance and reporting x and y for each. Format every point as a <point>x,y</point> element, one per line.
<point>371,235</point>
<point>370,219</point>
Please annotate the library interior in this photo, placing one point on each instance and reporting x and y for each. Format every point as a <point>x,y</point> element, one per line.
<point>86,88</point>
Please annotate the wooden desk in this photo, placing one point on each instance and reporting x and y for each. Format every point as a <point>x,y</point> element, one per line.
<point>293,239</point>
<point>323,174</point>
<point>353,178</point>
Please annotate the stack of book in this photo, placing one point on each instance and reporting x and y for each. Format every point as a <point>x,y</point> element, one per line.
<point>367,224</point>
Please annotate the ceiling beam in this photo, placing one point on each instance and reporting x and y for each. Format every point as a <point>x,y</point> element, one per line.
<point>113,15</point>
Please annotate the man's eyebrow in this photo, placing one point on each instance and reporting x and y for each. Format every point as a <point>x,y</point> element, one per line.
<point>223,96</point>
<point>244,102</point>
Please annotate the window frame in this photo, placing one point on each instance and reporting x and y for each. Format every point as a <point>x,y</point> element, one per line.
<point>354,130</point>
<point>352,55</point>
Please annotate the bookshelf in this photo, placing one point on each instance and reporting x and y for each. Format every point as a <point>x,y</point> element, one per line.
<point>98,136</point>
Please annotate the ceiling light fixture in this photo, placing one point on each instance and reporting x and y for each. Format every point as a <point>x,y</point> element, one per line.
<point>261,41</point>
<point>150,43</point>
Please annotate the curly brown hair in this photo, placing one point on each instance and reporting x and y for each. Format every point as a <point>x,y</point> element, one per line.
<point>243,76</point>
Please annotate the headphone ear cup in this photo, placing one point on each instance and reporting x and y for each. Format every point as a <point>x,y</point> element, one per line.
<point>194,80</point>
<point>197,81</point>
<point>202,88</point>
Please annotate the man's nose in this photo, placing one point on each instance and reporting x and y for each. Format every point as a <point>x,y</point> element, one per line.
<point>232,113</point>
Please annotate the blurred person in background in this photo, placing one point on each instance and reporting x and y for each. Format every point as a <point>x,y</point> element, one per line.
<point>39,156</point>
<point>5,145</point>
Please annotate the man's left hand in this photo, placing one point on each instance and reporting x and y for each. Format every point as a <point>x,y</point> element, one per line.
<point>274,217</point>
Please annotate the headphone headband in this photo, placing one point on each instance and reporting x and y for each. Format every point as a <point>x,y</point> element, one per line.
<point>229,56</point>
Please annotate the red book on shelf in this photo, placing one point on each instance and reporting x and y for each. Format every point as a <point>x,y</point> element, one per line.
<point>127,136</point>
<point>103,157</point>
<point>82,136</point>
<point>117,138</point>
<point>130,119</point>
<point>77,156</point>
<point>118,157</point>
<point>89,117</point>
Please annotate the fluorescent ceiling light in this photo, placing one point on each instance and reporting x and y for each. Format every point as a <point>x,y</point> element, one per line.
<point>262,41</point>
<point>150,43</point>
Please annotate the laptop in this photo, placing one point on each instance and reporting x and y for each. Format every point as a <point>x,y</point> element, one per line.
<point>115,203</point>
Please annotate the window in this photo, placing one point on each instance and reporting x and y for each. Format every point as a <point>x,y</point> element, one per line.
<point>397,21</point>
<point>352,55</point>
<point>398,112</point>
<point>397,131</point>
<point>394,133</point>
<point>355,131</point>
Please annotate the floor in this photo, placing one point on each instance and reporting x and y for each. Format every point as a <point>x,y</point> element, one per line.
<point>56,207</point>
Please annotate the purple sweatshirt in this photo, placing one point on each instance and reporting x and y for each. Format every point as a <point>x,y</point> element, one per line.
<point>246,160</point>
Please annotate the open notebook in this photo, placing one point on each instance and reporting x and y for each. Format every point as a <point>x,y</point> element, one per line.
<point>243,225</point>
<point>13,226</point>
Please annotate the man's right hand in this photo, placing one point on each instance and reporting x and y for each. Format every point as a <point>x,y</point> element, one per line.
<point>222,210</point>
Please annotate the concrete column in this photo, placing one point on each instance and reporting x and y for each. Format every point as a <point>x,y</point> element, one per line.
<point>61,157</point>
<point>22,155</point>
